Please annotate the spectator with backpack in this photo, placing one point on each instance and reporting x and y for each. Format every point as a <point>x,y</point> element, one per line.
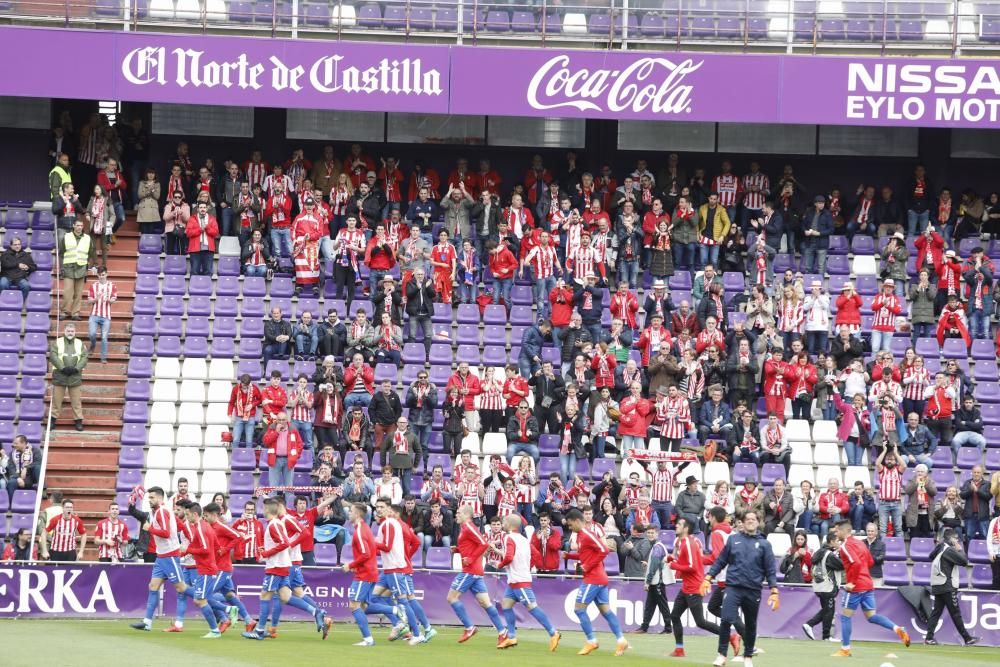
<point>825,582</point>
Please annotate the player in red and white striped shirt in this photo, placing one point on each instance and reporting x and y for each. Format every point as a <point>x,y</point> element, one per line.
<point>585,259</point>
<point>102,294</point>
<point>890,476</point>
<point>662,482</point>
<point>65,529</point>
<point>728,186</point>
<point>111,533</point>
<point>252,534</point>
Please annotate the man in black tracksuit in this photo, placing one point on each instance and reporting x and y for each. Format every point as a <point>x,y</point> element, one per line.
<point>827,562</point>
<point>750,561</point>
<point>946,561</point>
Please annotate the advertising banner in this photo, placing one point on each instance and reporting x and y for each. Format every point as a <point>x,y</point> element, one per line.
<point>119,592</point>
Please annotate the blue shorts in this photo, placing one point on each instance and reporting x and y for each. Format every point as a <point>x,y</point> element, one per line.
<point>592,593</point>
<point>409,584</point>
<point>394,582</point>
<point>524,595</point>
<point>360,591</point>
<point>465,583</point>
<point>866,600</point>
<point>295,578</point>
<point>190,576</point>
<point>204,585</point>
<point>273,582</point>
<point>169,569</point>
<point>225,585</point>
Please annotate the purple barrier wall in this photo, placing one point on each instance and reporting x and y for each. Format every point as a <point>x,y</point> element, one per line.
<point>368,76</point>
<point>119,592</point>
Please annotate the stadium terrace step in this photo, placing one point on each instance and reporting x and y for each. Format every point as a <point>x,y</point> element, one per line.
<point>65,481</point>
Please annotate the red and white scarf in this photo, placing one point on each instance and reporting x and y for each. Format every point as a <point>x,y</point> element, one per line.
<point>773,438</point>
<point>399,443</point>
<point>749,497</point>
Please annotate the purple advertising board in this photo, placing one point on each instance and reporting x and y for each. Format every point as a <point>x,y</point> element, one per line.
<point>119,592</point>
<point>521,81</point>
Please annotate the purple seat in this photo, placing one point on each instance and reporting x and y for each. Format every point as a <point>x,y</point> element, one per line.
<point>135,412</point>
<point>281,286</point>
<point>250,349</point>
<point>32,387</point>
<point>744,471</point>
<point>732,281</point>
<point>250,367</point>
<point>241,482</point>
<point>599,24</point>
<point>35,343</point>
<point>223,348</point>
<point>384,372</point>
<point>442,313</point>
<point>860,30</point>
<point>10,322</point>
<point>226,306</point>
<point>225,327</point>
<point>520,295</point>
<point>652,25</point>
<point>521,316</point>
<point>284,303</point>
<point>16,219</point>
<point>954,348</point>
<point>171,325</point>
<point>200,285</point>
<point>468,313</point>
<point>446,19</point>
<point>40,281</point>
<point>494,355</point>
<point>197,326</point>
<point>921,574</point>
<point>496,315</point>
<point>141,346</point>
<point>920,548</point>
<point>11,299</point>
<point>632,23</point>
<point>548,444</point>
<point>137,390</point>
<point>38,302</point>
<point>895,548</point>
<point>30,409</point>
<point>943,478</point>
<point>243,458</point>
<point>317,15</point>
<point>148,264</point>
<point>421,18</point>
<point>992,454</point>
<point>240,12</point>
<point>991,433</point>
<point>991,414</point>
<point>497,21</point>
<point>128,479</point>
<point>147,283</point>
<point>370,16</point>
<point>895,573</point>
<point>306,305</point>
<point>168,346</point>
<point>982,576</point>
<point>987,392</point>
<point>150,244</point>
<point>927,347</point>
<point>680,281</point>
<point>493,335</point>
<point>771,472</point>
<point>43,221</point>
<point>252,329</point>
<point>133,434</point>
<point>34,364</point>
<point>229,266</point>
<point>140,367</point>
<point>677,27</point>
<point>169,305</point>
<point>838,265</point>
<point>983,350</point>
<point>8,409</point>
<point>144,325</point>
<point>131,457</point>
<point>199,305</point>
<point>942,457</point>
<point>8,387</point>
<point>36,322</point>
<point>196,347</point>
<point>440,354</point>
<point>978,551</point>
<point>175,265</point>
<point>910,30</point>
<point>394,17</point>
<point>414,353</point>
<point>23,502</point>
<point>465,353</point>
<point>437,558</point>
<point>521,22</point>
<point>985,372</point>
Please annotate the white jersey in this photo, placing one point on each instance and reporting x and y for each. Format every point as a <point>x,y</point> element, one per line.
<point>391,543</point>
<point>294,551</point>
<point>274,535</point>
<point>163,518</point>
<point>519,569</point>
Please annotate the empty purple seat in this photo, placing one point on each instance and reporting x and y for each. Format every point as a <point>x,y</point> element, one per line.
<point>168,346</point>
<point>440,354</point>
<point>838,245</point>
<point>131,457</point>
<point>9,343</point>
<point>228,266</point>
<point>983,350</point>
<point>39,281</point>
<point>521,315</point>
<point>196,346</point>
<point>8,409</point>
<point>652,25</point>
<point>226,306</point>
<point>744,471</point>
<point>34,364</point>
<point>520,295</point>
<point>442,313</point>
<point>317,15</point>
<point>8,387</point>
<point>306,305</point>
<point>169,305</point>
<point>200,286</point>
<point>42,240</point>
<point>494,355</point>
<point>421,18</point>
<point>16,219</point>
<point>147,283</point>
<point>770,472</point>
<point>134,434</point>
<point>250,349</point>
<point>144,325</point>
<point>920,548</point>
<point>137,390</point>
<point>30,409</point>
<point>148,264</point>
<point>11,299</point>
<point>599,24</point>
<point>921,574</point>
<point>150,244</point>
<point>35,342</point>
<point>32,387</point>
<point>521,22</point>
<point>497,21</point>
<point>196,326</point>
<point>140,367</point>
<point>465,353</point>
<point>135,412</point>
<point>38,302</point>
<point>978,551</point>
<point>241,482</point>
<point>494,335</point>
<point>226,285</point>
<point>10,322</point>
<point>128,479</point>
<point>895,548</point>
<point>954,348</point>
<point>170,325</point>
<point>250,367</point>
<point>199,305</point>
<point>281,286</point>
<point>252,328</point>
<point>394,17</point>
<point>243,458</point>
<point>446,19</point>
<point>175,265</point>
<point>23,501</point>
<point>240,12</point>
<point>414,353</point>
<point>223,348</point>
<point>384,372</point>
<point>468,313</point>
<point>910,30</point>
<point>437,558</point>
<point>495,314</point>
<point>895,573</point>
<point>141,346</point>
<point>987,392</point>
<point>224,327</point>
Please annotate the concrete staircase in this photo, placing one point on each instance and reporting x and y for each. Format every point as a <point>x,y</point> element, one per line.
<point>84,465</point>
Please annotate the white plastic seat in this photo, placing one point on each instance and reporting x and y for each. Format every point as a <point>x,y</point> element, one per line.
<point>215,458</point>
<point>780,542</point>
<point>797,430</point>
<point>714,471</point>
<point>936,30</point>
<point>216,414</point>
<point>161,435</point>
<point>191,476</point>
<point>812,541</point>
<point>864,265</point>
<point>654,445</point>
<point>191,413</point>
<point>344,15</point>
<point>825,473</point>
<point>214,481</point>
<point>161,9</point>
<point>160,478</point>
<point>213,434</point>
<point>189,435</point>
<point>188,10</point>
<point>825,8</point>
<point>826,454</point>
<point>163,413</point>
<point>494,443</point>
<point>857,474</point>
<point>219,391</point>
<point>193,391</point>
<point>167,368</point>
<point>215,10</point>
<point>195,368</point>
<point>159,458</point>
<point>824,430</point>
<point>575,23</point>
<point>797,473</point>
<point>222,369</point>
<point>471,442</point>
<point>188,458</point>
<point>229,246</point>
<point>802,453</point>
<point>164,390</point>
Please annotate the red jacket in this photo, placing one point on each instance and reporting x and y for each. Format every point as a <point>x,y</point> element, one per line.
<point>105,182</point>
<point>468,178</point>
<point>633,416</point>
<point>650,222</point>
<point>839,499</point>
<point>194,233</point>
<point>503,264</point>
<point>561,311</point>
<point>772,369</point>
<point>549,560</point>
<point>643,343</point>
<point>383,261</point>
<point>278,397</point>
<point>531,181</point>
<point>679,322</point>
<point>487,181</point>
<point>367,378</point>
<point>294,447</point>
<point>848,309</point>
<point>285,207</point>
<point>936,248</point>
<point>878,372</point>
<point>796,372</point>
<point>255,399</point>
<point>688,563</point>
<point>432,177</point>
<point>471,384</point>
<point>625,306</point>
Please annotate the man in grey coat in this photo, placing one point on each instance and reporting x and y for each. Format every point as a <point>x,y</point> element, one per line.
<point>690,504</point>
<point>778,512</point>
<point>636,551</point>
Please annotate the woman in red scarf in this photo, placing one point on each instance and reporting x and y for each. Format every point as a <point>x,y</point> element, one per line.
<point>750,499</point>
<point>797,563</point>
<point>802,379</point>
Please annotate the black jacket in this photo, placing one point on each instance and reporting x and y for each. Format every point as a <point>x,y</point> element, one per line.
<point>9,268</point>
<point>845,357</point>
<point>571,337</point>
<point>983,493</point>
<point>555,388</point>
<point>385,409</point>
<point>414,308</point>
<point>369,207</point>
<point>877,550</point>
<point>950,558</point>
<point>395,310</point>
<point>274,329</point>
<point>968,420</point>
<point>476,218</point>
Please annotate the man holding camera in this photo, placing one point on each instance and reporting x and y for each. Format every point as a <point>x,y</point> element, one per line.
<point>68,356</point>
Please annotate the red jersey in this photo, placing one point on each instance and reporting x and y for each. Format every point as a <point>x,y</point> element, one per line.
<point>688,562</point>
<point>203,548</point>
<point>857,561</point>
<point>471,546</point>
<point>306,521</point>
<point>412,545</point>
<point>114,530</point>
<point>890,482</point>
<point>591,551</point>
<point>251,535</point>
<point>278,397</point>
<point>64,532</point>
<point>226,539</point>
<point>365,563</point>
<point>101,295</point>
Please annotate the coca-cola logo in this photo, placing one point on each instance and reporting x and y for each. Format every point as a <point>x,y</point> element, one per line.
<point>655,84</point>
